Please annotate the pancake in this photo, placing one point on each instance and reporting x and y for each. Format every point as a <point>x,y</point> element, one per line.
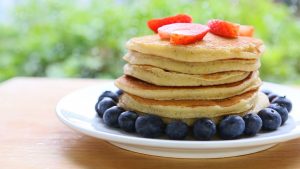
<point>145,90</point>
<point>162,77</point>
<point>246,65</point>
<point>262,101</point>
<point>182,109</point>
<point>211,48</point>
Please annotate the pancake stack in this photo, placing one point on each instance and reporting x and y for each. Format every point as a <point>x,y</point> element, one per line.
<point>211,78</point>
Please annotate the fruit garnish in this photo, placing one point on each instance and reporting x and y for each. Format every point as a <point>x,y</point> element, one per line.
<point>111,115</point>
<point>271,119</point>
<point>149,126</point>
<point>282,111</point>
<point>183,33</point>
<point>272,96</point>
<point>231,127</point>
<point>204,129</point>
<point>110,94</point>
<point>253,124</point>
<point>166,31</point>
<point>127,121</point>
<point>103,105</point>
<point>246,30</point>
<point>177,130</point>
<point>154,24</point>
<point>223,28</point>
<point>184,37</point>
<point>283,101</point>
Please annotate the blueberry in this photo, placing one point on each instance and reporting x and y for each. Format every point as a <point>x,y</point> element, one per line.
<point>110,95</point>
<point>281,110</point>
<point>127,121</point>
<point>266,92</point>
<point>253,124</point>
<point>149,126</point>
<point>283,101</point>
<point>270,118</point>
<point>204,129</point>
<point>119,92</point>
<point>111,115</point>
<point>231,127</point>
<point>272,96</point>
<point>177,130</point>
<point>103,105</point>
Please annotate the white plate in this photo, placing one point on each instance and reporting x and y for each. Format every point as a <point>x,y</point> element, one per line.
<point>76,110</point>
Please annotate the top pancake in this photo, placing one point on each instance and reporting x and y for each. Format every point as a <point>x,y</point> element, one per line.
<point>211,48</point>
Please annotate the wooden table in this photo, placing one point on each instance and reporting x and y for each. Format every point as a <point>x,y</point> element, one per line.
<point>32,137</point>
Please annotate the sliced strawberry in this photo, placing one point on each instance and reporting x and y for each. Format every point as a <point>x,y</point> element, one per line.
<point>183,33</point>
<point>166,31</point>
<point>223,28</point>
<point>154,24</point>
<point>246,30</point>
<point>184,37</point>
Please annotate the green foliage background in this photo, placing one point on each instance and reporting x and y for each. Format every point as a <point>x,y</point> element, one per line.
<point>72,39</point>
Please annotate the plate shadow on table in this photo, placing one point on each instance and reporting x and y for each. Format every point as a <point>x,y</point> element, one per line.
<point>92,153</point>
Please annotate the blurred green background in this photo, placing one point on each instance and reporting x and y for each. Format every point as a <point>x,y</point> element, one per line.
<point>86,38</point>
